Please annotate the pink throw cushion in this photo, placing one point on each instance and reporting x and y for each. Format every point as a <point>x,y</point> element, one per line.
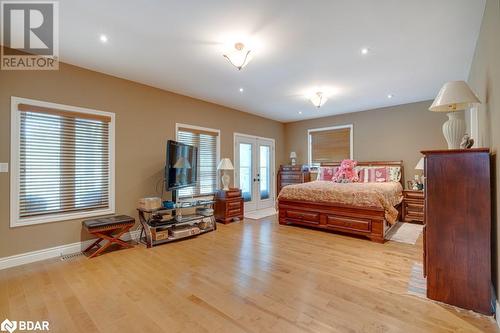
<point>326,173</point>
<point>374,175</point>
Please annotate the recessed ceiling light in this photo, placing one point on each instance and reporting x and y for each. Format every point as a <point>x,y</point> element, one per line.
<point>300,112</point>
<point>364,50</point>
<point>389,96</point>
<point>103,38</point>
<point>241,89</point>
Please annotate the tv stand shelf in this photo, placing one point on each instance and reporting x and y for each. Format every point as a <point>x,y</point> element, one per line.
<point>178,227</point>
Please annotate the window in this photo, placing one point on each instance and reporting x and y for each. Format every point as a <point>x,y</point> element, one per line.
<point>62,162</point>
<point>330,144</point>
<point>207,140</point>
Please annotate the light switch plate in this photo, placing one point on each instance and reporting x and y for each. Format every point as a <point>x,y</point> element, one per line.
<point>4,167</point>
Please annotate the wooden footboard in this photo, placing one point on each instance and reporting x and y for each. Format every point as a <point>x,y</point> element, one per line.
<point>368,222</point>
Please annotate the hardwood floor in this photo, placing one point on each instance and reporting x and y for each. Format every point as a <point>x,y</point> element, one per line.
<point>252,276</point>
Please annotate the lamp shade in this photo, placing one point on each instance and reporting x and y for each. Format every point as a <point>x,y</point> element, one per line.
<point>182,163</point>
<point>420,164</point>
<point>454,96</point>
<point>293,154</point>
<point>225,164</point>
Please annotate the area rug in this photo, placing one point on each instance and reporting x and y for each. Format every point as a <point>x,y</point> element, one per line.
<point>405,233</point>
<point>261,213</point>
<point>417,284</point>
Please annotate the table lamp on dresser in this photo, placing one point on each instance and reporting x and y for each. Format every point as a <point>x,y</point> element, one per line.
<point>453,97</point>
<point>224,165</point>
<point>293,157</point>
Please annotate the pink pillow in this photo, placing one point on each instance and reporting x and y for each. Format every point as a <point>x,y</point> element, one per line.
<point>326,173</point>
<point>373,175</point>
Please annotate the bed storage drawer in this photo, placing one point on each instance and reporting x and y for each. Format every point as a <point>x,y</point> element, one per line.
<point>348,223</point>
<point>300,216</point>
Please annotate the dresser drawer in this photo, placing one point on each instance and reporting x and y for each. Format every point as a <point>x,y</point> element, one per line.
<point>341,222</point>
<point>414,207</point>
<point>303,216</point>
<point>417,195</point>
<point>417,217</point>
<point>289,183</point>
<point>233,194</point>
<point>291,176</point>
<point>234,204</point>
<point>233,212</point>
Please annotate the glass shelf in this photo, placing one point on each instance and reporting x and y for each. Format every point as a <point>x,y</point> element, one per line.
<point>183,205</point>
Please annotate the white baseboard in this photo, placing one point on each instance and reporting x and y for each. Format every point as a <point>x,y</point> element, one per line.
<point>54,252</point>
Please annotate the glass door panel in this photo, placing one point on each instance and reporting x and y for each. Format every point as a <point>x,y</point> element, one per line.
<point>246,170</point>
<point>254,171</point>
<point>264,172</point>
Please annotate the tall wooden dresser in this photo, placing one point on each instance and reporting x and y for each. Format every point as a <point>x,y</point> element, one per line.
<point>457,252</point>
<point>292,174</point>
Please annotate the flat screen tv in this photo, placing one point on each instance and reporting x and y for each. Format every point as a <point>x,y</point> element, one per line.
<point>182,165</point>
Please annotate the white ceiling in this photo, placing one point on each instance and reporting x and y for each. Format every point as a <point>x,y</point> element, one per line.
<point>415,46</point>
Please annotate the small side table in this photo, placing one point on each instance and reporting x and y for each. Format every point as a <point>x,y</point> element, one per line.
<point>228,205</point>
<point>413,206</point>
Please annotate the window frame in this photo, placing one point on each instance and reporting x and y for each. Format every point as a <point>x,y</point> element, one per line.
<point>15,220</point>
<point>217,154</point>
<point>312,130</point>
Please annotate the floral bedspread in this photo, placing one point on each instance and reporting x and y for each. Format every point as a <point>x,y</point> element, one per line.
<point>380,195</point>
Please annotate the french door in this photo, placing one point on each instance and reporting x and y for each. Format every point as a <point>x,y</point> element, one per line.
<point>254,170</point>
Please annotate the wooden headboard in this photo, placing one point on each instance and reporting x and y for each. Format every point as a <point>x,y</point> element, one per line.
<point>375,164</point>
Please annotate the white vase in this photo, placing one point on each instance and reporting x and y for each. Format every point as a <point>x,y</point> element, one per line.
<point>225,181</point>
<point>454,129</point>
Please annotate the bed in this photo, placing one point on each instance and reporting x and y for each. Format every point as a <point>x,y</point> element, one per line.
<point>364,209</point>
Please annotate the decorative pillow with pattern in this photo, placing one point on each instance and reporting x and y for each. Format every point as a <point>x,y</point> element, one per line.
<point>394,174</point>
<point>373,175</point>
<point>326,173</point>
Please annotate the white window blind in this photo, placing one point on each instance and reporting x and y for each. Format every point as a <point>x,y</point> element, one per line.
<point>206,141</point>
<point>63,162</point>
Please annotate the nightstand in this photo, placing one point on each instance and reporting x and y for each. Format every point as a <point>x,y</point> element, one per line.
<point>413,206</point>
<point>228,205</point>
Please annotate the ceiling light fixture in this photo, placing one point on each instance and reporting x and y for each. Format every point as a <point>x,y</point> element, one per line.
<point>390,96</point>
<point>103,38</point>
<point>300,112</point>
<point>241,89</point>
<point>364,50</point>
<point>239,57</point>
<point>318,99</point>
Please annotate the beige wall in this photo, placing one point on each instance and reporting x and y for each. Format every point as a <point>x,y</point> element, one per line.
<point>484,79</point>
<point>145,120</point>
<point>393,133</point>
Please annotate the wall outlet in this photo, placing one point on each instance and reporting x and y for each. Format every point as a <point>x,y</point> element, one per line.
<point>4,167</point>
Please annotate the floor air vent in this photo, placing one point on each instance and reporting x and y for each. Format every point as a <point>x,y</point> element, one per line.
<point>71,256</point>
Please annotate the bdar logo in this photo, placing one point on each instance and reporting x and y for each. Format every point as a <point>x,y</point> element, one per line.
<point>9,326</point>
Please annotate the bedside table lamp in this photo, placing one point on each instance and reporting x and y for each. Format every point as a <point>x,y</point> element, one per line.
<point>420,166</point>
<point>454,96</point>
<point>293,157</point>
<point>224,165</point>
